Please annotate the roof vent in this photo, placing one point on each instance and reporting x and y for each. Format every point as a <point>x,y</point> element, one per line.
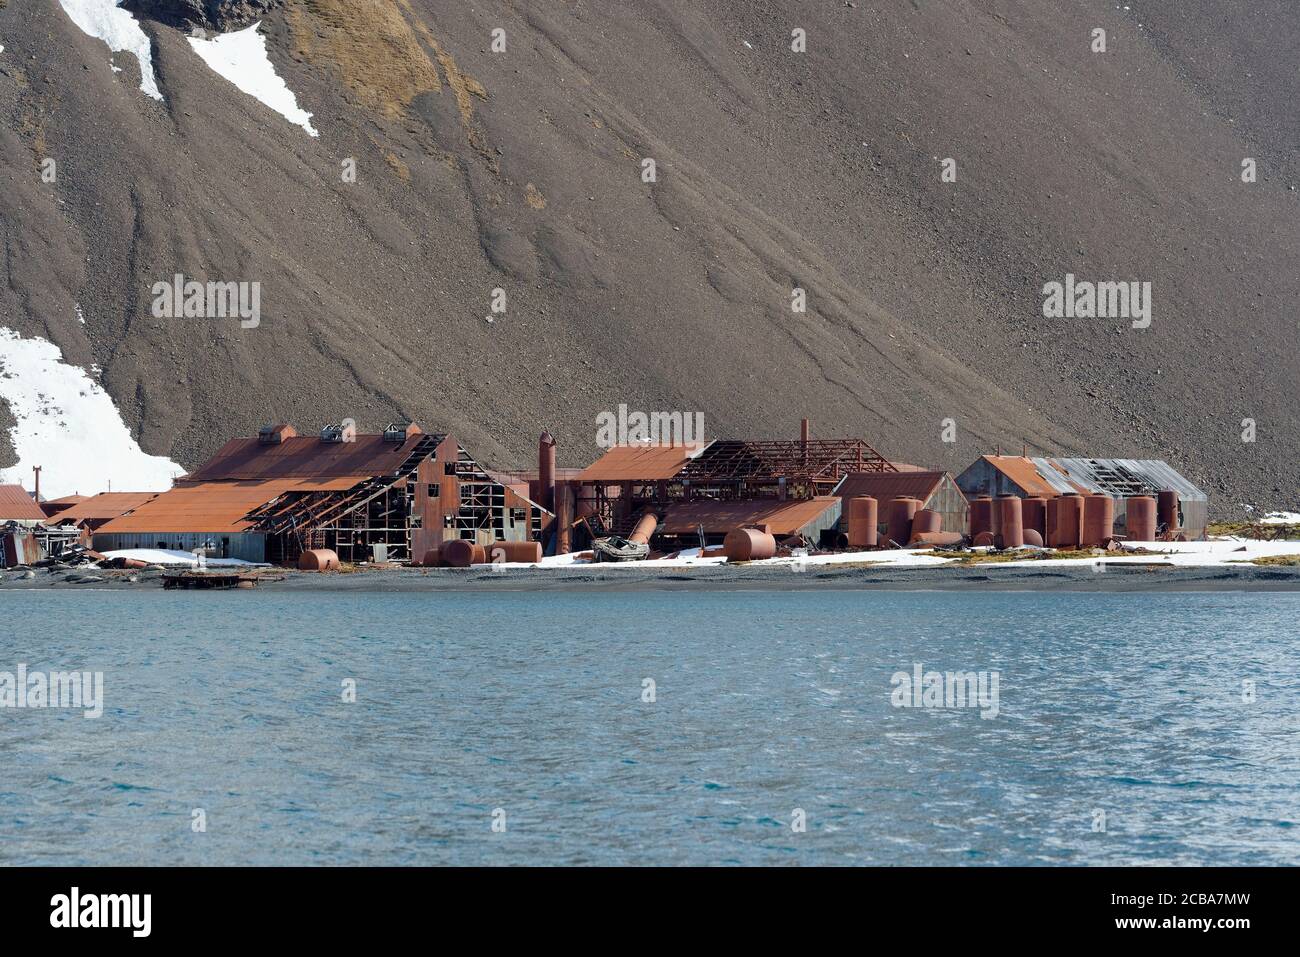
<point>333,434</point>
<point>396,433</point>
<point>275,434</point>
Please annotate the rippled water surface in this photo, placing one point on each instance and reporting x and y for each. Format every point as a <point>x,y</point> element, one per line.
<point>1132,705</point>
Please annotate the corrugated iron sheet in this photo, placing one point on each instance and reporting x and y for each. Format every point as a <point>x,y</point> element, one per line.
<point>100,507</point>
<point>641,463</point>
<point>306,457</point>
<point>1153,474</point>
<point>17,505</point>
<point>886,486</point>
<point>215,506</point>
<point>785,518</point>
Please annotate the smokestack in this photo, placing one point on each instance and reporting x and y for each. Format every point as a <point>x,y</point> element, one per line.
<point>37,470</point>
<point>804,432</point>
<point>546,471</point>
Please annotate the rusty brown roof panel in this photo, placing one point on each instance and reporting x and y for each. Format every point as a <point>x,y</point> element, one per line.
<point>216,506</point>
<point>785,518</point>
<point>306,457</point>
<point>17,504</point>
<point>105,505</point>
<point>1025,474</point>
<point>887,486</point>
<point>641,463</point>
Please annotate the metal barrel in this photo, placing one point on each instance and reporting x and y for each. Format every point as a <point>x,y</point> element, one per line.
<point>748,544</point>
<point>863,521</point>
<point>901,512</point>
<point>1011,527</point>
<point>1140,518</point>
<point>1098,520</point>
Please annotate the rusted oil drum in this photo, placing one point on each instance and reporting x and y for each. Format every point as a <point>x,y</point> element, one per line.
<point>940,539</point>
<point>1140,518</point>
<point>529,552</point>
<point>981,515</point>
<point>863,521</point>
<point>645,528</point>
<point>1011,530</point>
<point>1098,520</point>
<point>319,560</point>
<point>901,512</point>
<point>462,553</point>
<point>1033,515</point>
<point>748,545</point>
<point>1032,537</point>
<point>925,521</point>
<point>1167,510</point>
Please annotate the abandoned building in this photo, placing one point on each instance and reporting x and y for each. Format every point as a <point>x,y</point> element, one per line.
<point>936,491</point>
<point>387,496</point>
<point>1120,479</point>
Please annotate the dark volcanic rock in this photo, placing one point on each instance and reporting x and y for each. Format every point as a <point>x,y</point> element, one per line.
<point>219,15</point>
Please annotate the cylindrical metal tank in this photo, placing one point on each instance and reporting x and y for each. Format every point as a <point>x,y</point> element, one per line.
<point>1033,537</point>
<point>983,540</point>
<point>1140,519</point>
<point>530,552</point>
<point>748,545</point>
<point>863,521</point>
<point>1033,515</point>
<point>462,553</point>
<point>432,558</point>
<point>940,539</point>
<point>645,528</point>
<point>981,515</point>
<point>925,521</point>
<point>319,560</point>
<point>1098,520</point>
<point>901,512</point>
<point>1065,527</point>
<point>1167,510</point>
<point>563,518</point>
<point>1011,527</point>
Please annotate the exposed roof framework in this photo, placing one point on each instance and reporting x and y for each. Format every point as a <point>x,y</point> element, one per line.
<point>814,461</point>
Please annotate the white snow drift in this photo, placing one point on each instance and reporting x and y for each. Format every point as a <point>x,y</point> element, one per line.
<point>119,29</point>
<point>241,58</point>
<point>68,425</point>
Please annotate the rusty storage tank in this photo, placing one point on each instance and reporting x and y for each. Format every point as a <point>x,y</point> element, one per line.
<point>1065,521</point>
<point>863,521</point>
<point>1098,520</point>
<point>1033,515</point>
<point>748,545</point>
<point>1140,518</point>
<point>983,540</point>
<point>1167,510</point>
<point>645,528</point>
<point>926,521</point>
<point>1033,537</point>
<point>1011,529</point>
<point>461,553</point>
<point>901,512</point>
<point>938,539</point>
<point>319,560</point>
<point>432,558</point>
<point>529,552</point>
<point>981,515</point>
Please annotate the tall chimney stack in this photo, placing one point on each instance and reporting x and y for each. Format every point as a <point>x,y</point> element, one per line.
<point>37,470</point>
<point>546,471</point>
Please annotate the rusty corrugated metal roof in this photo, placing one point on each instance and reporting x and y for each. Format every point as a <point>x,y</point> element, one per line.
<point>306,457</point>
<point>17,504</point>
<point>785,518</point>
<point>641,463</point>
<point>216,506</point>
<point>887,486</point>
<point>105,505</point>
<point>1027,474</point>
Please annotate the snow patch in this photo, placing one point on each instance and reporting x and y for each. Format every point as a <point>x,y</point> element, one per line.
<point>167,556</point>
<point>68,425</point>
<point>241,58</point>
<point>119,29</point>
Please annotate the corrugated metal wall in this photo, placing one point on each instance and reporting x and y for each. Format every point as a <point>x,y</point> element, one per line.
<point>249,546</point>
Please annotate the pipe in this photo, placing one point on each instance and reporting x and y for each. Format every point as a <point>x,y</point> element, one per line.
<point>546,471</point>
<point>563,518</point>
<point>645,528</point>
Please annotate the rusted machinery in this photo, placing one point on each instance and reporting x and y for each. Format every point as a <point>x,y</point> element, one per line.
<point>1140,518</point>
<point>1098,520</point>
<point>1011,533</point>
<point>863,522</point>
<point>319,560</point>
<point>749,544</point>
<point>902,511</point>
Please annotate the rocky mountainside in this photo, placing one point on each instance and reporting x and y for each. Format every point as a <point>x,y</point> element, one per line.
<point>523,170</point>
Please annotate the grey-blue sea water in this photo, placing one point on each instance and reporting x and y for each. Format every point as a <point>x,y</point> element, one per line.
<point>1130,728</point>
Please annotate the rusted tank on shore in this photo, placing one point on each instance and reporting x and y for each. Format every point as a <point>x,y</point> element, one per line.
<point>522,552</point>
<point>901,512</point>
<point>926,521</point>
<point>462,553</point>
<point>981,516</point>
<point>1098,520</point>
<point>1033,537</point>
<point>1011,529</point>
<point>983,540</point>
<point>1033,516</point>
<point>937,539</point>
<point>1065,521</point>
<point>645,528</point>
<point>1140,518</point>
<point>864,522</point>
<point>748,545</point>
<point>1167,511</point>
<point>319,560</point>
